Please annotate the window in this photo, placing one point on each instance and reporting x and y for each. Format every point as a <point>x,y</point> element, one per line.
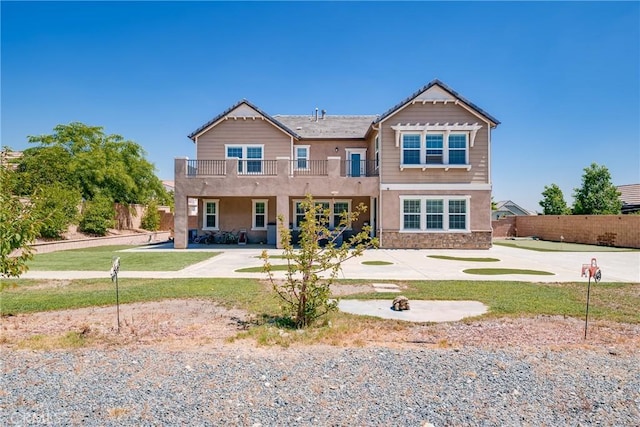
<point>434,213</point>
<point>411,149</point>
<point>458,149</point>
<point>249,158</point>
<point>302,157</point>
<point>435,149</point>
<point>260,212</point>
<point>377,152</point>
<point>335,208</point>
<point>411,214</point>
<point>338,209</point>
<point>322,208</point>
<point>210,217</point>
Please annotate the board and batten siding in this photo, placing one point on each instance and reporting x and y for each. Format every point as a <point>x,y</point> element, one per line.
<point>434,113</point>
<point>210,145</point>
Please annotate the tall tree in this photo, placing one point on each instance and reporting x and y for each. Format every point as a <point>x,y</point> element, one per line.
<point>84,157</point>
<point>597,195</point>
<point>553,202</point>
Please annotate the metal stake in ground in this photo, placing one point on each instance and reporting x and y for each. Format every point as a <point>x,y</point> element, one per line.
<point>115,268</point>
<point>592,270</point>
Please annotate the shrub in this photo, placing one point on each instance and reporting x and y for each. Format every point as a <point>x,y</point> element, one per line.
<point>97,216</point>
<point>151,218</point>
<point>57,208</point>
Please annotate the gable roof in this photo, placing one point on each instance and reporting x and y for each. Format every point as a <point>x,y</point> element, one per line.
<point>630,194</point>
<point>510,206</point>
<point>451,92</point>
<point>341,127</point>
<point>211,123</point>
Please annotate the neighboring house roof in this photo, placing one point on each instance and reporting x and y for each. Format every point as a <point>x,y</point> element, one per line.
<point>630,196</point>
<point>193,135</point>
<point>168,185</point>
<point>328,127</point>
<point>452,92</point>
<point>509,206</point>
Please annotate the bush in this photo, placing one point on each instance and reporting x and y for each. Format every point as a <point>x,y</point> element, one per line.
<point>97,216</point>
<point>57,208</point>
<point>151,218</point>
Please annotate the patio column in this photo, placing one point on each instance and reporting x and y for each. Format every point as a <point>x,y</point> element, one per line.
<point>282,209</point>
<point>180,219</point>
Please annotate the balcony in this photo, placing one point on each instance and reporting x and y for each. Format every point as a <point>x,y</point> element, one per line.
<point>281,167</point>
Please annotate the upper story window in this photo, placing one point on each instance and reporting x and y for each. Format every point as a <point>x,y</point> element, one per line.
<point>249,158</point>
<point>301,157</point>
<point>435,149</point>
<point>377,151</point>
<point>436,145</point>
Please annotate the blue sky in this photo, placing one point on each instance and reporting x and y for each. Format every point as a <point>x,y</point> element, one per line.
<point>563,78</point>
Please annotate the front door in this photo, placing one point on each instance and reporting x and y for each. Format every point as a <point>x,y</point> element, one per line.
<point>356,162</point>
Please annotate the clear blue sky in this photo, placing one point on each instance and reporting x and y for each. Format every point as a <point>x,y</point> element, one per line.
<point>563,78</point>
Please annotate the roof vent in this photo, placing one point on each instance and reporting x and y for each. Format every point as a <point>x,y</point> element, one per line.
<point>324,113</point>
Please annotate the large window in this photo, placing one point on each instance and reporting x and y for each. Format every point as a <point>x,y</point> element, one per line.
<point>302,157</point>
<point>435,149</point>
<point>260,212</point>
<point>335,208</point>
<point>249,158</point>
<point>434,213</point>
<point>210,215</point>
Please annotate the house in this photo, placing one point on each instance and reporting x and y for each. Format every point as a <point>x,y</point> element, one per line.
<point>506,208</point>
<point>630,196</point>
<point>422,169</point>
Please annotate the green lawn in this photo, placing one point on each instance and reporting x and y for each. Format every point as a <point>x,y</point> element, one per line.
<point>100,258</point>
<point>546,246</point>
<point>376,263</point>
<point>456,258</point>
<point>497,271</point>
<point>616,302</point>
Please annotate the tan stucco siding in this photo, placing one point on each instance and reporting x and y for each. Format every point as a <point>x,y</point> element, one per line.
<point>479,207</point>
<point>434,113</point>
<point>210,145</point>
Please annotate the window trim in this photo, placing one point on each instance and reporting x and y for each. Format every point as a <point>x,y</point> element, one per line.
<point>331,202</point>
<point>445,150</point>
<point>205,214</point>
<point>254,213</point>
<point>445,215</point>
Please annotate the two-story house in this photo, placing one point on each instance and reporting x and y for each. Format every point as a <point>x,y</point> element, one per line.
<point>423,169</point>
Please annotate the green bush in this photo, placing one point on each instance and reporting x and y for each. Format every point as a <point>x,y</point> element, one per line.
<point>57,207</point>
<point>151,218</point>
<point>97,216</point>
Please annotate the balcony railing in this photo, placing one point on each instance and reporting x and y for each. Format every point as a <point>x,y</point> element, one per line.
<point>304,167</point>
<point>356,169</point>
<point>333,167</point>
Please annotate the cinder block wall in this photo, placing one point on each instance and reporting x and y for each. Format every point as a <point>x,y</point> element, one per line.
<point>505,227</point>
<point>608,230</point>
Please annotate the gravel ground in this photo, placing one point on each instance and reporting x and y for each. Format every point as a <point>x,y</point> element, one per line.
<point>303,386</point>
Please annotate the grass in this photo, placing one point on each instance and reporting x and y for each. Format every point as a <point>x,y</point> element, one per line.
<point>547,246</point>
<point>260,269</point>
<point>455,258</point>
<point>377,263</point>
<point>497,271</point>
<point>101,258</point>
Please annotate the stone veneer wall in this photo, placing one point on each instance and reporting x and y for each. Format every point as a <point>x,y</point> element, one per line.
<point>475,240</point>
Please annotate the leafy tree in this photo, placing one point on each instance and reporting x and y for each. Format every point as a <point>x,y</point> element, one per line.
<point>151,218</point>
<point>57,207</point>
<point>313,267</point>
<point>553,201</point>
<point>84,157</point>
<point>597,196</point>
<point>97,215</point>
<point>18,229</point>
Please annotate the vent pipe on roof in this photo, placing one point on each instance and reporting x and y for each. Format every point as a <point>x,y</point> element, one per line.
<point>324,112</point>
<point>316,114</point>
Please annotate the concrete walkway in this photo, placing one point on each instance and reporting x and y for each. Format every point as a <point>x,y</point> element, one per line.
<point>406,264</point>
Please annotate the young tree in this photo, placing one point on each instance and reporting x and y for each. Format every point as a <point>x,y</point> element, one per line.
<point>151,218</point>
<point>313,267</point>
<point>97,215</point>
<point>597,195</point>
<point>18,229</point>
<point>553,201</point>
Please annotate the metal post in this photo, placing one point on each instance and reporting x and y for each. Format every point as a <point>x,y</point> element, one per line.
<point>117,303</point>
<point>115,268</point>
<point>586,317</point>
